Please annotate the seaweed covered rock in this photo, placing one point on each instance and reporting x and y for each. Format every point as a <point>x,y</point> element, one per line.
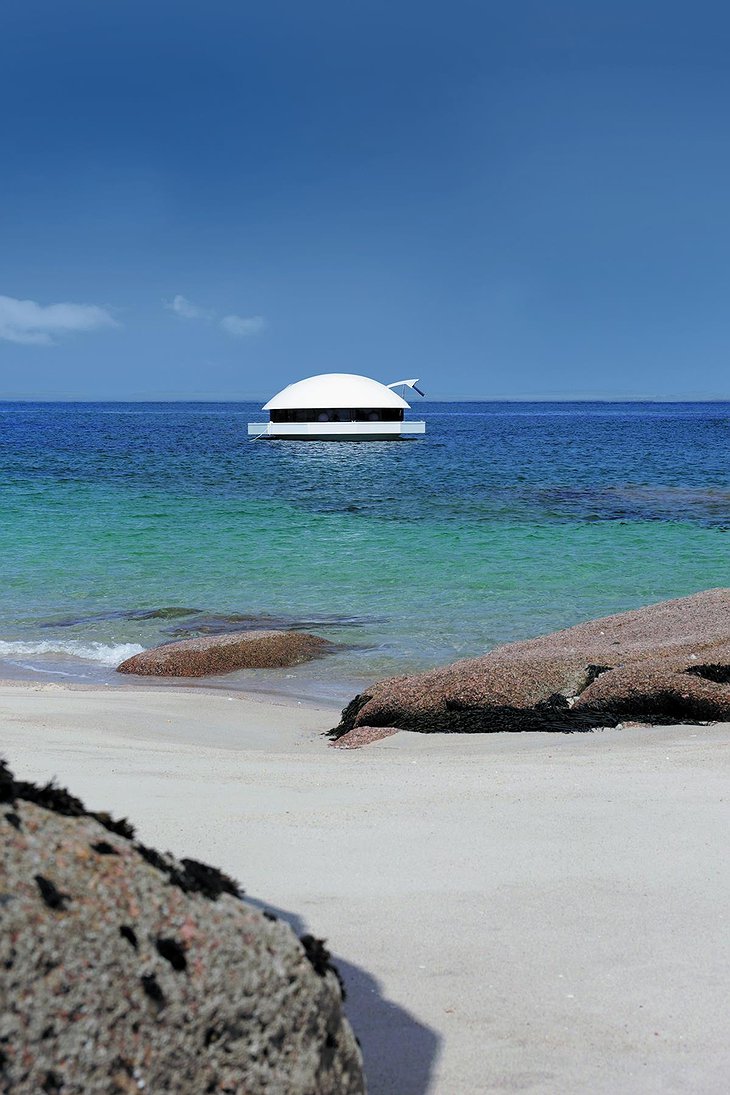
<point>213,654</point>
<point>668,662</point>
<point>123,970</point>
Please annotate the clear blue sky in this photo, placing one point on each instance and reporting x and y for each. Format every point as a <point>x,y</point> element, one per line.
<point>507,200</point>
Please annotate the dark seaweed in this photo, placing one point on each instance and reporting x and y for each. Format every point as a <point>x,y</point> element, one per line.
<point>190,875</point>
<point>119,826</point>
<point>129,934</point>
<point>153,990</point>
<point>51,894</point>
<point>320,958</point>
<point>718,674</point>
<point>103,847</point>
<point>154,858</point>
<point>593,672</point>
<point>209,881</point>
<point>194,877</point>
<point>553,715</point>
<point>7,783</point>
<point>52,797</point>
<point>173,952</point>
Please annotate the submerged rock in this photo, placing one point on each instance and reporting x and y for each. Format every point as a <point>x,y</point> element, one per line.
<point>172,612</point>
<point>214,654</point>
<point>123,970</point>
<point>668,662</point>
<point>213,623</point>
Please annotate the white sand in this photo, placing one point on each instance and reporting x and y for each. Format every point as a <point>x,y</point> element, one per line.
<point>533,913</point>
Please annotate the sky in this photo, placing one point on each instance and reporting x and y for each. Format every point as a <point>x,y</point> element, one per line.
<point>514,200</point>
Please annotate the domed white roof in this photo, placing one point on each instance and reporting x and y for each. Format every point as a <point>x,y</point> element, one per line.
<point>335,390</point>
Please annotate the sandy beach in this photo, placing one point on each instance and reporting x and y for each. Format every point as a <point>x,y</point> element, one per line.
<point>510,912</point>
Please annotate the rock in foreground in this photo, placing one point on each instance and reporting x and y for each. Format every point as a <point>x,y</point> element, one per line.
<point>669,662</point>
<point>122,970</point>
<point>214,654</point>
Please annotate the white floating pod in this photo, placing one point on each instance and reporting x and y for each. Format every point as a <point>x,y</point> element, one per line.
<point>338,407</point>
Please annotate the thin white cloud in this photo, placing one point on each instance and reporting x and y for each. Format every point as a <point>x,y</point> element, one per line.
<point>243,326</point>
<point>185,308</point>
<point>33,324</point>
<point>238,326</point>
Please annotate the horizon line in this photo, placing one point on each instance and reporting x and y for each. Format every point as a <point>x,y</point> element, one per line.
<point>432,399</point>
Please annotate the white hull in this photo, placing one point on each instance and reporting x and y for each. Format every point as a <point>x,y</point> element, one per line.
<point>336,431</point>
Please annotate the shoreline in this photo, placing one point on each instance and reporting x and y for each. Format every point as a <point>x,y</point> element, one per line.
<point>169,686</point>
<point>284,684</point>
<point>507,910</point>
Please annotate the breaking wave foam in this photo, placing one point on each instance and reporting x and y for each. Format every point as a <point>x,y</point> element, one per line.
<point>105,653</point>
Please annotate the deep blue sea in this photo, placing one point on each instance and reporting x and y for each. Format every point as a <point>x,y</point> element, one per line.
<point>506,520</point>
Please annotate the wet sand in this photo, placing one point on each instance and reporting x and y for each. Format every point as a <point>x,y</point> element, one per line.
<point>511,912</point>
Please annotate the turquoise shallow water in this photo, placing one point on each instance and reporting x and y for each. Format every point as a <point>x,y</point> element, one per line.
<point>505,521</point>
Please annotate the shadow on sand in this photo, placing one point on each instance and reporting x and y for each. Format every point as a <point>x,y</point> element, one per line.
<point>399,1052</point>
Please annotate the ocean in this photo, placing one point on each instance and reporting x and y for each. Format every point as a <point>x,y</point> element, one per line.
<point>126,525</point>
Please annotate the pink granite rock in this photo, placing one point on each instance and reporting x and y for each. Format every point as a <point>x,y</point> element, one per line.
<point>665,663</point>
<point>215,654</point>
<point>124,970</point>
